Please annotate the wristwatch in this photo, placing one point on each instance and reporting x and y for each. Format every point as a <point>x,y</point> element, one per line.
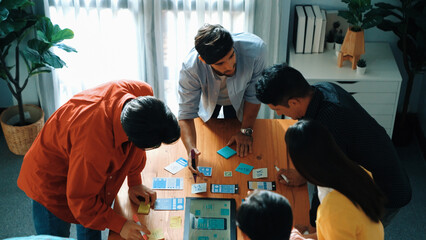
<point>247,131</point>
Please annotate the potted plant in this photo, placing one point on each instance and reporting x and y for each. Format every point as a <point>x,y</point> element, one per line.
<point>331,36</point>
<point>18,25</point>
<point>339,41</point>
<point>361,66</point>
<point>359,18</point>
<point>407,21</point>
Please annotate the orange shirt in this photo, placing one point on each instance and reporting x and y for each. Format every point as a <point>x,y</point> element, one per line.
<point>80,159</point>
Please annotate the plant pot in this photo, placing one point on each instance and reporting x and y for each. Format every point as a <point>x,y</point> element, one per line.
<point>352,48</point>
<point>360,70</point>
<point>329,45</point>
<point>337,47</point>
<point>20,138</point>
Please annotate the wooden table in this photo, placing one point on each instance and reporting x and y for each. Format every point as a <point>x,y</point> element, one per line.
<point>268,149</point>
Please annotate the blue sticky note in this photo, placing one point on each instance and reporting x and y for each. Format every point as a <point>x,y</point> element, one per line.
<point>244,168</point>
<point>167,183</point>
<point>227,152</point>
<point>207,171</point>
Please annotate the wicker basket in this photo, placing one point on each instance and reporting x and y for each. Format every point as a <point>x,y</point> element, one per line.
<point>20,138</point>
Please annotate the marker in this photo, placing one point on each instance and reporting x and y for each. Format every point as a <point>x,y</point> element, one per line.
<point>282,175</point>
<point>193,164</point>
<point>136,219</point>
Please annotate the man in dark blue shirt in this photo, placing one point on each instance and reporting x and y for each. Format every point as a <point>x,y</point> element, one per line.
<point>358,134</point>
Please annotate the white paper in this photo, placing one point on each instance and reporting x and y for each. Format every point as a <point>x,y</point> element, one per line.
<point>199,188</point>
<point>260,173</point>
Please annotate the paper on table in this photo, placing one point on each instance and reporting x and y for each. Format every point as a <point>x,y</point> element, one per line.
<point>176,166</point>
<point>207,171</point>
<point>156,234</point>
<point>199,188</point>
<point>260,173</point>
<point>176,222</point>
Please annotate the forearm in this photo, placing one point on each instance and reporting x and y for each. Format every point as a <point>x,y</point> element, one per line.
<point>188,134</point>
<point>250,114</point>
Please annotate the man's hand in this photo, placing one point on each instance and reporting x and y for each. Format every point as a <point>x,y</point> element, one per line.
<point>191,168</point>
<point>244,144</point>
<point>131,231</point>
<point>147,193</point>
<point>293,176</point>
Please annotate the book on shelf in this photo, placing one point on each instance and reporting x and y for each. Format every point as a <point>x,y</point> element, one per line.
<point>317,28</point>
<point>323,32</point>
<point>299,29</point>
<point>310,25</point>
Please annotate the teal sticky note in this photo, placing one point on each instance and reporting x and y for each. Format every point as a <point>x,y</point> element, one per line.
<point>244,168</point>
<point>227,152</point>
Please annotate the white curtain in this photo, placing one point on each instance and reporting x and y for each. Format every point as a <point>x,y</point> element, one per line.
<point>148,39</point>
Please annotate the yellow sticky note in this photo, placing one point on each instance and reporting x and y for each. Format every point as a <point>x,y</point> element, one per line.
<point>176,222</point>
<point>144,208</point>
<point>156,234</point>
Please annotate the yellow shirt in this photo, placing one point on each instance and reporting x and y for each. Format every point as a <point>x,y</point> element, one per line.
<point>338,218</point>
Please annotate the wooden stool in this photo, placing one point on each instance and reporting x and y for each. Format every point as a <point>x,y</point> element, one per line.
<point>345,56</point>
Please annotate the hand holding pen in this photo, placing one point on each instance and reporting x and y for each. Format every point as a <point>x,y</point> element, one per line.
<point>290,177</point>
<point>193,158</point>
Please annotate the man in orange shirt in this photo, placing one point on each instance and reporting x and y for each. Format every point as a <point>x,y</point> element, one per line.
<point>78,162</point>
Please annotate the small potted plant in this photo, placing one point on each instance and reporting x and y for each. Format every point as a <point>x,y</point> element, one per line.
<point>331,36</point>
<point>338,42</point>
<point>361,65</point>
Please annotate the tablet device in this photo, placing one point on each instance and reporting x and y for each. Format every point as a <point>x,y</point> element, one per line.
<point>210,218</point>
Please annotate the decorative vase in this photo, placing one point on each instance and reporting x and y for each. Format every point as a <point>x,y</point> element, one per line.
<point>329,45</point>
<point>20,138</point>
<point>360,70</point>
<point>337,47</point>
<point>352,48</point>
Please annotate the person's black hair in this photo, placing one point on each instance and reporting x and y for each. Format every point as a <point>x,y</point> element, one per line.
<point>319,159</point>
<point>265,215</point>
<point>213,42</point>
<point>148,122</point>
<point>280,83</point>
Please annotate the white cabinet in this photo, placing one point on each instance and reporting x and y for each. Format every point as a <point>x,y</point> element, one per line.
<point>377,91</point>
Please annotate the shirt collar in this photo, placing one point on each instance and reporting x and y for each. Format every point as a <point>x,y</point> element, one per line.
<point>313,106</point>
<point>120,136</point>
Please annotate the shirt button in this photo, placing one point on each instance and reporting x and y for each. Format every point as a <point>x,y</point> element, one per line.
<point>108,193</point>
<point>110,177</point>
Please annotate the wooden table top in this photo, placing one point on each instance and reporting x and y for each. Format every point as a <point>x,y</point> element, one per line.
<point>268,150</point>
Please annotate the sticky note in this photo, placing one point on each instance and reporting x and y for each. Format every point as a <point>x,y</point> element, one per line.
<point>169,204</point>
<point>227,173</point>
<point>144,208</point>
<point>167,183</point>
<point>176,222</point>
<point>199,188</point>
<point>227,152</point>
<point>207,171</point>
<point>176,166</point>
<point>244,168</point>
<point>260,173</point>
<point>156,234</point>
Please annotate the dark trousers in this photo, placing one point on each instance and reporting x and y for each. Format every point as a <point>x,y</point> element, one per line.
<point>228,111</point>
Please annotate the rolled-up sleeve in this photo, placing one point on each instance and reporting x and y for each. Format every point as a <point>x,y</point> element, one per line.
<point>259,66</point>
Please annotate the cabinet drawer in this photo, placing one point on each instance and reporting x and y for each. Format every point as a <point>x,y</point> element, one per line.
<point>386,109</point>
<point>374,98</point>
<point>365,86</point>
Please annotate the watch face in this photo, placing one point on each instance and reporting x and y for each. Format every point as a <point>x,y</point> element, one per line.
<point>247,131</point>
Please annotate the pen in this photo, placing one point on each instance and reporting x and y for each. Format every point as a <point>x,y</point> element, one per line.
<point>282,175</point>
<point>136,219</point>
<point>193,164</point>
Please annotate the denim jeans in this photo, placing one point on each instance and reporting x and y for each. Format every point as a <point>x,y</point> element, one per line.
<point>48,224</point>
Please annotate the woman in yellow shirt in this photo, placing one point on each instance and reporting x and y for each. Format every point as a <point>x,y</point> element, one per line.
<point>351,203</point>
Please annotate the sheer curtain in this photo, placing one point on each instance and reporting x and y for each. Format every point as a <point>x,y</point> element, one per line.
<point>148,39</point>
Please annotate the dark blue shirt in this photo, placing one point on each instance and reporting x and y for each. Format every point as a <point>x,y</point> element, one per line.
<point>362,139</point>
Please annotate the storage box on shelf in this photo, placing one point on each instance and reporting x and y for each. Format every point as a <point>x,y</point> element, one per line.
<point>377,91</point>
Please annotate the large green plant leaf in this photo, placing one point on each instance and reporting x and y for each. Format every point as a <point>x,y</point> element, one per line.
<point>52,60</point>
<point>4,13</point>
<point>38,45</point>
<point>14,4</point>
<point>50,33</point>
<point>66,47</point>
